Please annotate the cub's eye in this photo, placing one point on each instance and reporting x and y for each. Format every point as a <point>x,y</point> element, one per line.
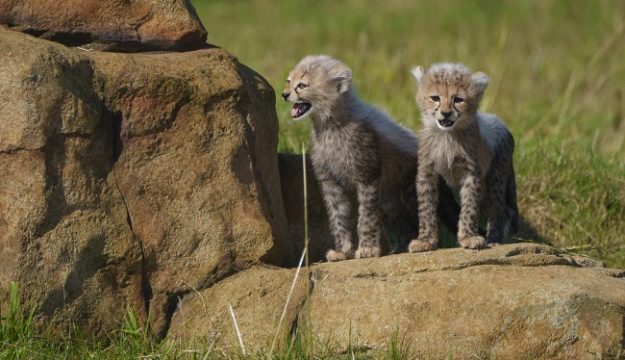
<point>458,100</point>
<point>435,98</point>
<point>302,86</point>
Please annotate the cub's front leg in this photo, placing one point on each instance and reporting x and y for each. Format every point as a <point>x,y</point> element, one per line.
<point>427,198</point>
<point>369,220</point>
<point>338,207</point>
<point>470,192</point>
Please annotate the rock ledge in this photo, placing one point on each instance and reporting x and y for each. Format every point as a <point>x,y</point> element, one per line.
<point>511,301</point>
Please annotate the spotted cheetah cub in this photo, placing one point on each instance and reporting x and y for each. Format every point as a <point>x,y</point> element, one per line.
<point>355,148</point>
<point>470,150</point>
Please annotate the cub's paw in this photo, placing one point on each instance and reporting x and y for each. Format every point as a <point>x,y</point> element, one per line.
<point>473,242</point>
<point>333,255</point>
<point>368,252</point>
<point>418,245</point>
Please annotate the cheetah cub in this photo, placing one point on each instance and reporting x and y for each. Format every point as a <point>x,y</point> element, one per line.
<point>470,150</point>
<point>355,148</point>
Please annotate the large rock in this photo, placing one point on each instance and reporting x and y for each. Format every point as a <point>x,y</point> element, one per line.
<point>197,165</point>
<point>123,25</point>
<point>509,302</point>
<point>131,179</point>
<point>64,234</point>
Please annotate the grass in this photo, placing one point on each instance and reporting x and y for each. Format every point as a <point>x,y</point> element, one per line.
<point>20,338</point>
<point>557,79</point>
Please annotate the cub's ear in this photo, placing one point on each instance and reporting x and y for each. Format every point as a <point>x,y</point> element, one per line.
<point>343,76</point>
<point>418,73</point>
<point>479,81</point>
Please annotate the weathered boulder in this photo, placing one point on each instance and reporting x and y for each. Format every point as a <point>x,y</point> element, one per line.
<point>64,234</point>
<point>197,165</point>
<point>508,302</point>
<point>123,25</point>
<point>131,179</point>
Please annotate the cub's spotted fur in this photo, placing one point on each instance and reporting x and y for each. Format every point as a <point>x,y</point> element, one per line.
<point>470,150</point>
<point>356,148</point>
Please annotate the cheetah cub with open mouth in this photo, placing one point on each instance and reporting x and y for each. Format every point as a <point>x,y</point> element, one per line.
<point>470,150</point>
<point>356,148</point>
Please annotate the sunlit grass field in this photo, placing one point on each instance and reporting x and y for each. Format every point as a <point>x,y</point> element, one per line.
<point>557,73</point>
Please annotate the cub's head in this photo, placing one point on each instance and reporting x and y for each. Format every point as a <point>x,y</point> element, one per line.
<point>449,95</point>
<point>315,85</point>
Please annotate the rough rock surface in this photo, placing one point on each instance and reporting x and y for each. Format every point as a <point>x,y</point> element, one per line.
<point>64,232</point>
<point>130,179</point>
<point>257,297</point>
<point>509,302</point>
<point>123,25</point>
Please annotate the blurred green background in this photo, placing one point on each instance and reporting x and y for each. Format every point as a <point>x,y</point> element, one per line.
<point>557,73</point>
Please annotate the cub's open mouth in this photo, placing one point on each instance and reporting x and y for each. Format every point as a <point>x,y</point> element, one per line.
<point>446,123</point>
<point>300,109</point>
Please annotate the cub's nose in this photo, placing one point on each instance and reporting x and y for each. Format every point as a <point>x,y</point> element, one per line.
<point>446,114</point>
<point>285,95</point>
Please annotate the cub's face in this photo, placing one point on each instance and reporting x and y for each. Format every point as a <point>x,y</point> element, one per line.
<point>449,95</point>
<point>315,85</point>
